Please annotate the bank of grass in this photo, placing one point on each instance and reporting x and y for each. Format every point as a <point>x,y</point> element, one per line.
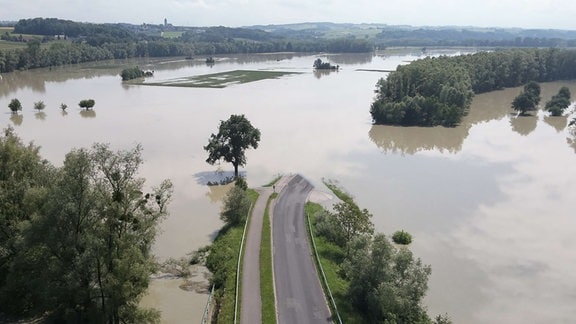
<point>273,181</point>
<point>219,80</point>
<point>333,186</point>
<point>331,257</point>
<point>5,45</point>
<point>266,268</point>
<point>226,296</point>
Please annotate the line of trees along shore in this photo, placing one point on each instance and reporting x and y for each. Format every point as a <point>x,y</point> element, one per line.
<point>438,91</point>
<point>94,42</point>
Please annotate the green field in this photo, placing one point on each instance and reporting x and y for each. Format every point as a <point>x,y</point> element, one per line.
<point>172,34</point>
<point>4,45</point>
<point>7,45</point>
<point>219,80</point>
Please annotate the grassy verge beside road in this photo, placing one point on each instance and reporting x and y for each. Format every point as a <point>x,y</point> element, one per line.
<point>228,242</point>
<point>331,256</point>
<point>266,268</point>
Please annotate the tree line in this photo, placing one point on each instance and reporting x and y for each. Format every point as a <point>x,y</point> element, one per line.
<point>94,42</point>
<point>75,240</point>
<point>474,37</point>
<point>438,91</point>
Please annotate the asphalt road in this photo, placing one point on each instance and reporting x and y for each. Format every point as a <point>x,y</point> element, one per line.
<point>251,300</point>
<point>299,295</point>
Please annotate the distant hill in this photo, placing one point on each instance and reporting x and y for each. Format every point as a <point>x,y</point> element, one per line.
<point>403,35</point>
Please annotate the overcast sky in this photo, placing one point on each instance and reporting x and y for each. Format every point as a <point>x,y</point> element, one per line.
<point>556,14</point>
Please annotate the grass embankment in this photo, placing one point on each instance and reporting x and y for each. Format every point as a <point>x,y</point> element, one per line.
<point>331,257</point>
<point>219,80</point>
<point>230,239</point>
<point>266,267</point>
<point>273,181</point>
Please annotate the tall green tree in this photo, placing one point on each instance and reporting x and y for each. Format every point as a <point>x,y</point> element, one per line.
<point>235,135</point>
<point>82,253</point>
<point>127,230</point>
<point>352,221</point>
<point>22,170</point>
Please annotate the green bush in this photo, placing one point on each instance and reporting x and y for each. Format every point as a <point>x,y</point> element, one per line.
<point>132,73</point>
<point>401,237</point>
<point>87,103</point>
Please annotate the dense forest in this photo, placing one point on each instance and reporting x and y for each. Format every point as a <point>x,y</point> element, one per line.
<point>66,42</point>
<point>50,41</point>
<point>438,91</point>
<point>75,240</point>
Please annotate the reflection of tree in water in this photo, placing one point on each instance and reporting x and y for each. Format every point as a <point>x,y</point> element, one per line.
<point>410,140</point>
<point>256,58</point>
<point>323,72</point>
<point>14,81</point>
<point>571,142</point>
<point>88,113</point>
<point>217,193</point>
<point>351,58</point>
<point>485,107</point>
<point>40,115</point>
<point>571,139</point>
<point>523,124</point>
<point>36,79</point>
<point>63,112</point>
<point>558,122</point>
<point>17,119</point>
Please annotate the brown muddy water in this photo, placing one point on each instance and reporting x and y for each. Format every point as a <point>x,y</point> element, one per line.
<point>490,203</point>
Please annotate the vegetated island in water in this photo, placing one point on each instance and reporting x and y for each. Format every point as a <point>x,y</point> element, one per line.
<point>439,91</point>
<point>219,80</point>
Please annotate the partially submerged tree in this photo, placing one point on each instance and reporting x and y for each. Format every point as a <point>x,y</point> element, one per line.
<point>133,73</point>
<point>235,135</point>
<point>528,99</point>
<point>15,105</point>
<point>559,102</point>
<point>87,103</point>
<point>39,105</point>
<point>319,65</point>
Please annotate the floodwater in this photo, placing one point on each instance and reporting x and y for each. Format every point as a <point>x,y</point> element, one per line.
<point>490,203</point>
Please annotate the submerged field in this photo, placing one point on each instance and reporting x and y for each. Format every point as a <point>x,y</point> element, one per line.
<point>220,80</point>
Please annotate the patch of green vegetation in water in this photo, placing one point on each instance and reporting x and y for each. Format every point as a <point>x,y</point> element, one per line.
<point>220,80</point>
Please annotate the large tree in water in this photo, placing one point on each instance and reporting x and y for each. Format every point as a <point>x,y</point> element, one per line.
<point>235,135</point>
